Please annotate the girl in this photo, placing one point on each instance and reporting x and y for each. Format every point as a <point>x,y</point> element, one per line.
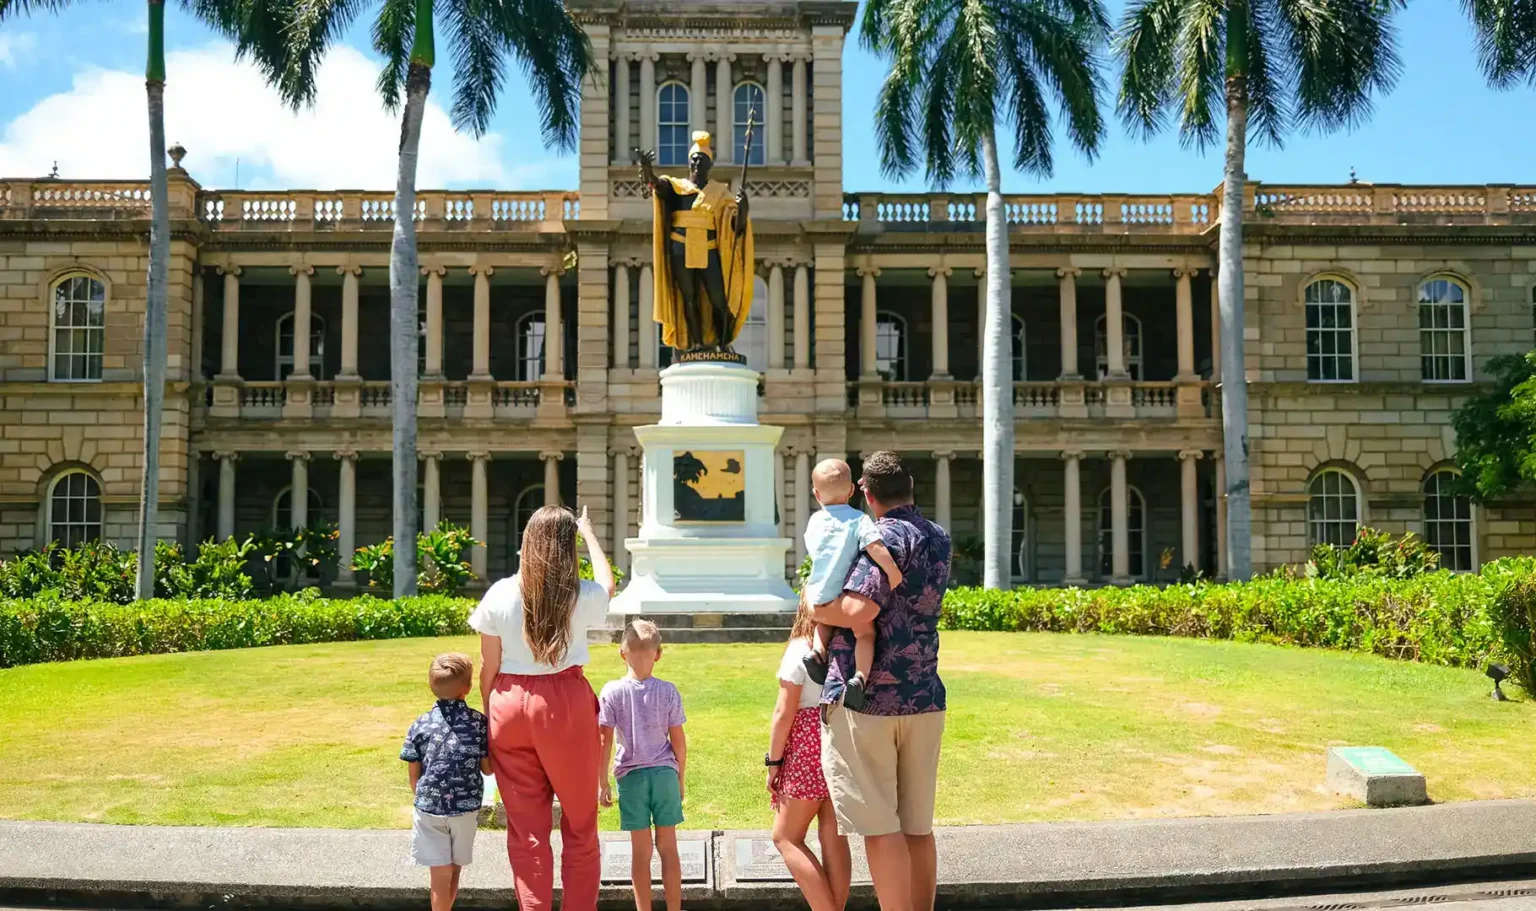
<point>543,713</point>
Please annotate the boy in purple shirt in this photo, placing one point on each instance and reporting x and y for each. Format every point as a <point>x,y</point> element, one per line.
<point>647,713</point>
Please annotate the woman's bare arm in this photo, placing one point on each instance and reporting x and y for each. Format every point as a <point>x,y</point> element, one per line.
<point>602,572</point>
<point>490,666</point>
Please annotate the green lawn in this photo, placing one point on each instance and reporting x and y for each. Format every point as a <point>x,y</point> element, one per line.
<point>1041,727</point>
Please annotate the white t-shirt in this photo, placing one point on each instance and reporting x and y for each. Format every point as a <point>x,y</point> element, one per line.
<point>792,670</point>
<point>501,614</point>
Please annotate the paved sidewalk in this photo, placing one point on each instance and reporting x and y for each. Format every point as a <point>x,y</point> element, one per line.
<point>985,866</point>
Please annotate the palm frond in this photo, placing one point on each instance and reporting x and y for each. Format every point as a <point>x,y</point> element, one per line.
<point>1506,39</point>
<point>1201,73</point>
<point>972,52</point>
<point>1056,50</point>
<point>907,43</point>
<point>477,61</point>
<point>1271,77</point>
<point>938,107</point>
<point>555,56</point>
<point>1145,45</point>
<point>12,9</point>
<point>393,32</point>
<point>1343,52</point>
<point>257,28</point>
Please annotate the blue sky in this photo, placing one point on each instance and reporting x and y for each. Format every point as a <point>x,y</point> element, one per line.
<point>74,95</point>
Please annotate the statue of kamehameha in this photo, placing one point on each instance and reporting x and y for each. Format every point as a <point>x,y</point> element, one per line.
<point>703,258</point>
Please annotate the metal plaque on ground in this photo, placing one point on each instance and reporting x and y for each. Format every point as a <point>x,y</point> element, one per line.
<point>758,861</point>
<point>693,853</point>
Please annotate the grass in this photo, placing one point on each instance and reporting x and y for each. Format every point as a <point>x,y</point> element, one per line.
<point>1041,727</point>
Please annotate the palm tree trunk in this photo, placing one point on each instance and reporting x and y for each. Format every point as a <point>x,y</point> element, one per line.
<point>403,281</point>
<point>997,385</point>
<point>1234,383</point>
<point>155,304</point>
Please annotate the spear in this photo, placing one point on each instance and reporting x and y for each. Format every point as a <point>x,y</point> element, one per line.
<point>746,147</point>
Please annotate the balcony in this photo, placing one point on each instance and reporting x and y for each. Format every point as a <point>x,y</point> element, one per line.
<point>372,400</point>
<point>961,400</point>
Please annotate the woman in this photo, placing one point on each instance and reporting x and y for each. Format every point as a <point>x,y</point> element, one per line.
<point>543,713</point>
<point>796,783</point>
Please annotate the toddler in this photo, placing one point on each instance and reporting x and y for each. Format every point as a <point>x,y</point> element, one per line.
<point>833,537</point>
<point>647,714</point>
<point>448,750</point>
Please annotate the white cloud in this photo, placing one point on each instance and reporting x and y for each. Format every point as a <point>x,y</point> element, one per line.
<point>14,45</point>
<point>223,111</point>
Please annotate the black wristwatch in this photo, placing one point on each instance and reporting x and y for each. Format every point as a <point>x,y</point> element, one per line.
<point>771,763</point>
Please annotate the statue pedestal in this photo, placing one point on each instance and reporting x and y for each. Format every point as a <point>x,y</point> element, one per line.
<point>709,540</point>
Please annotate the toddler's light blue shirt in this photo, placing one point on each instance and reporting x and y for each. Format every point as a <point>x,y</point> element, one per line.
<point>833,537</point>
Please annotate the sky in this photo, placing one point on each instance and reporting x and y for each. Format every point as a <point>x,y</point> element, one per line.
<point>73,95</point>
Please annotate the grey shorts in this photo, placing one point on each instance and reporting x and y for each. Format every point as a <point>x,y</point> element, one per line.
<point>437,841</point>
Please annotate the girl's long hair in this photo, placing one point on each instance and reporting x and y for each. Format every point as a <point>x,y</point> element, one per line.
<point>804,627</point>
<point>547,574</point>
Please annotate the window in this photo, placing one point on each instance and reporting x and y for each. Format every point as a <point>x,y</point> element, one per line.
<point>1333,510</point>
<point>527,503</point>
<point>530,347</point>
<point>753,340</point>
<point>1020,548</point>
<point>1448,521</point>
<point>74,509</point>
<point>673,136</point>
<point>1330,306</point>
<point>284,363</point>
<point>1443,330</point>
<point>748,99</point>
<point>1131,332</point>
<point>1020,360</point>
<point>1136,521</point>
<point>891,347</point>
<point>282,508</point>
<point>79,328</point>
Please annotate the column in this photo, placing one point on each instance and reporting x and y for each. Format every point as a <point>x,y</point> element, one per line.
<point>1189,555</point>
<point>697,107</point>
<point>1119,518</point>
<point>1067,288</point>
<point>1185,320</point>
<point>434,364</point>
<point>226,525</point>
<point>349,276</point>
<point>1072,513</point>
<point>646,330</point>
<point>867,314</point>
<point>1215,330</point>
<point>301,321</point>
<point>620,323</point>
<point>724,134</point>
<point>481,369</point>
<point>621,109</point>
<point>1220,570</point>
<point>554,344</point>
<point>802,316</point>
<point>479,526</point>
<point>942,510</point>
<point>940,306</point>
<point>774,153</point>
<point>803,501</point>
<point>229,363</point>
<point>780,501</point>
<point>346,515</point>
<point>776,316</point>
<point>298,489</point>
<point>648,110</point>
<point>551,477</point>
<point>797,113</point>
<point>620,518</point>
<point>431,491</point>
<point>1114,323</point>
<point>195,369</point>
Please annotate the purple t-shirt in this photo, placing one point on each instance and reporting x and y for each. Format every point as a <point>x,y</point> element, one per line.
<point>641,711</point>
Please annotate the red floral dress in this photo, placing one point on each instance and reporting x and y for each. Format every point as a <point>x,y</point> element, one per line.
<point>801,778</point>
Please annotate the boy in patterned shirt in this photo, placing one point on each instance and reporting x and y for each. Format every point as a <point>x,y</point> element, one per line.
<point>448,750</point>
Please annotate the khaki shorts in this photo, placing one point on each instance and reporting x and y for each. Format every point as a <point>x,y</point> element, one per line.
<point>438,841</point>
<point>882,771</point>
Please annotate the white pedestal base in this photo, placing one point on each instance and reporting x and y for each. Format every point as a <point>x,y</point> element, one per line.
<point>731,576</point>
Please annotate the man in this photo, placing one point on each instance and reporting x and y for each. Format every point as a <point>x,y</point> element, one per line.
<point>882,763</point>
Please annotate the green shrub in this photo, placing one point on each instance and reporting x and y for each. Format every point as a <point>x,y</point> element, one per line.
<point>1374,553</point>
<point>1514,617</point>
<point>440,562</point>
<point>218,571</point>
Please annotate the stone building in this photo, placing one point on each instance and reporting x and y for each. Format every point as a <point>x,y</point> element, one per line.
<point>1371,313</point>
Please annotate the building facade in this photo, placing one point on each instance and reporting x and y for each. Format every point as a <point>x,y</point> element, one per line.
<point>1371,312</point>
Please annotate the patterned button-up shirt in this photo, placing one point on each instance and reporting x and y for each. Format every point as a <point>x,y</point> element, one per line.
<point>449,742</point>
<point>905,676</point>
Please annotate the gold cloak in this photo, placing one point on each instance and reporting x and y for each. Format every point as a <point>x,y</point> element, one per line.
<point>737,261</point>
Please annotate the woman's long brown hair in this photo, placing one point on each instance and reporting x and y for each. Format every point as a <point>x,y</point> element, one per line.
<point>804,627</point>
<point>549,583</point>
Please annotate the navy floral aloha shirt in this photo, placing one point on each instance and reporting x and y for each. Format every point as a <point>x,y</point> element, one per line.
<point>449,742</point>
<point>904,679</point>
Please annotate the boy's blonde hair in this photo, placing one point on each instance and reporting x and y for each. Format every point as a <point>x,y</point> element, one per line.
<point>641,634</point>
<point>450,674</point>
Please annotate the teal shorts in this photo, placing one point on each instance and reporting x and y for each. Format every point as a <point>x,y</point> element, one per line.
<point>650,797</point>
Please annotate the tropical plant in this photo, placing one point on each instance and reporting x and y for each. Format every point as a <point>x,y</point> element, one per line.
<point>378,561</point>
<point>272,552</point>
<point>1373,553</point>
<point>1276,64</point>
<point>961,71</point>
<point>1496,431</point>
<point>1506,39</point>
<point>444,568</point>
<point>541,34</point>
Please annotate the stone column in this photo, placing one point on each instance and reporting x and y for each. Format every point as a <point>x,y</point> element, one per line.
<point>479,509</point>
<point>1119,509</point>
<point>298,489</point>
<point>434,364</point>
<point>554,344</point>
<point>349,275</point>
<point>774,153</point>
<point>646,330</point>
<point>621,109</point>
<point>1220,570</point>
<point>1184,319</point>
<point>620,519</point>
<point>1067,289</point>
<point>619,324</point>
<point>802,316</point>
<point>346,515</point>
<point>776,316</point>
<point>1215,329</point>
<point>195,369</point>
<point>481,369</point>
<point>800,157</point>
<point>226,525</point>
<point>229,353</point>
<point>431,490</point>
<point>943,513</point>
<point>1189,501</point>
<point>940,308</point>
<point>868,311</point>
<point>551,477</point>
<point>648,109</point>
<point>1072,514</point>
<point>302,320</point>
<point>697,106</point>
<point>1114,323</point>
<point>803,501</point>
<point>724,134</point>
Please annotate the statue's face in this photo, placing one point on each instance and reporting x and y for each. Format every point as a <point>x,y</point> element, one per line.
<point>698,166</point>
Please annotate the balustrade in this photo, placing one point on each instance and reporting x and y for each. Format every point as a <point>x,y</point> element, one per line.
<point>225,210</point>
<point>375,394</point>
<point>1031,400</point>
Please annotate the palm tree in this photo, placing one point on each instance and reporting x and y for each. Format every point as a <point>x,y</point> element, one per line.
<point>555,55</point>
<point>246,25</point>
<point>960,69</point>
<point>1278,63</point>
<point>1506,39</point>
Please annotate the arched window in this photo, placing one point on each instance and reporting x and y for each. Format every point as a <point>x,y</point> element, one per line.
<point>282,508</point>
<point>527,503</point>
<point>1448,521</point>
<point>74,509</point>
<point>1333,508</point>
<point>284,361</point>
<point>79,329</point>
<point>1330,306</point>
<point>1020,545</point>
<point>1443,343</point>
<point>753,340</point>
<point>1131,336</point>
<point>891,346</point>
<point>673,137</point>
<point>1020,357</point>
<point>748,98</point>
<point>530,347</point>
<point>1136,532</point>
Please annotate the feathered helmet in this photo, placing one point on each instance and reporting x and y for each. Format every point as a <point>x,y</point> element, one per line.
<point>701,145</point>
